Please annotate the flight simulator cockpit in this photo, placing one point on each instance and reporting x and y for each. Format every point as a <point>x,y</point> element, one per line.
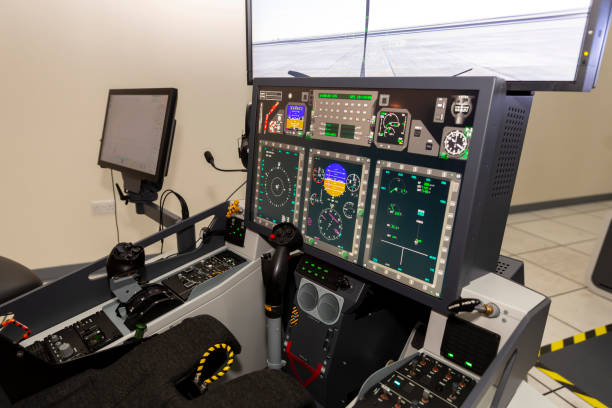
<point>362,268</point>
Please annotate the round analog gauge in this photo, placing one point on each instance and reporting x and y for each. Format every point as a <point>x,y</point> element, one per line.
<point>455,142</point>
<point>353,182</point>
<point>330,224</point>
<point>397,186</point>
<point>277,186</point>
<point>348,209</point>
<point>318,174</point>
<point>394,209</point>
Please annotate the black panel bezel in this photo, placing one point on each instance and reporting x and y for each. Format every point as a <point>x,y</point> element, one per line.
<point>477,169</point>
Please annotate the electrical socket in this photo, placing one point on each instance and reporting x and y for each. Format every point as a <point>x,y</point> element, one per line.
<point>103,206</point>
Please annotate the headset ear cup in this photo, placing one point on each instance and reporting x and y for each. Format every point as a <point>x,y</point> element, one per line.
<point>243,150</point>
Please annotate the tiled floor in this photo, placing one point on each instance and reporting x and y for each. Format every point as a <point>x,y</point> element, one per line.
<point>556,245</point>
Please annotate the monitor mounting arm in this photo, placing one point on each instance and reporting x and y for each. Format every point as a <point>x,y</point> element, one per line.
<point>143,199</point>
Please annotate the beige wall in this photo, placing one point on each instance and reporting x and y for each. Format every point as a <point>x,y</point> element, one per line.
<point>568,147</point>
<point>59,58</point>
<point>57,61</point>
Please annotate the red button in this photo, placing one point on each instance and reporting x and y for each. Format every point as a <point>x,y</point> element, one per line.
<point>272,236</point>
<point>448,376</point>
<point>435,369</point>
<point>462,384</point>
<point>422,362</point>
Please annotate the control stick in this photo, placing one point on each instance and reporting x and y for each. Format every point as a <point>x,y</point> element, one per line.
<point>285,238</point>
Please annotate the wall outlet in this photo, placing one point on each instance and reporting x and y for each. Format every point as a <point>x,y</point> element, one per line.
<point>103,206</point>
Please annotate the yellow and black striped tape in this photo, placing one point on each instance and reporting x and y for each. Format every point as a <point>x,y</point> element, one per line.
<point>226,366</point>
<point>570,386</point>
<point>577,338</point>
<point>295,317</point>
<point>559,345</point>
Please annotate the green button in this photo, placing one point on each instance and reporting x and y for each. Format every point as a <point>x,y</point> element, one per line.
<point>344,254</point>
<point>360,212</point>
<point>325,270</point>
<point>323,277</point>
<point>319,268</point>
<point>316,274</point>
<point>303,268</point>
<point>311,241</point>
<point>309,271</point>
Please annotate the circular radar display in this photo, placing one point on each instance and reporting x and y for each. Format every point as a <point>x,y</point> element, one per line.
<point>455,143</point>
<point>318,174</point>
<point>330,224</point>
<point>397,186</point>
<point>348,209</point>
<point>335,180</point>
<point>353,182</point>
<point>277,186</point>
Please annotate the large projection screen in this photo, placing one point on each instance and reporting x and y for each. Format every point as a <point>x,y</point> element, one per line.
<point>539,42</point>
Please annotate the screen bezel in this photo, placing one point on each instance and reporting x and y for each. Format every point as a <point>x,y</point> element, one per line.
<point>166,137</point>
<point>587,66</point>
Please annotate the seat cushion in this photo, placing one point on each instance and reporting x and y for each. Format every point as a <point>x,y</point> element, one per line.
<point>15,279</point>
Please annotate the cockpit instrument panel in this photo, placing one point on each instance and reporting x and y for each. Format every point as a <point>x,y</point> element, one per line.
<point>334,200</point>
<point>373,174</point>
<point>279,183</point>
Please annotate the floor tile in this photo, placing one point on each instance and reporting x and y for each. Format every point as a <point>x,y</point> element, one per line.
<point>558,401</point>
<point>553,212</point>
<point>582,309</point>
<point>505,253</point>
<point>538,386</point>
<point>565,261</point>
<point>522,217</point>
<point>546,282</point>
<point>554,231</point>
<point>544,379</point>
<point>556,330</point>
<point>573,398</point>
<point>598,205</point>
<point>605,214</point>
<point>586,247</point>
<point>516,241</point>
<point>583,221</point>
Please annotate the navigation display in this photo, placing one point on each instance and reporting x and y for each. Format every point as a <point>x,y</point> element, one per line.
<point>410,225</point>
<point>334,202</point>
<point>279,183</point>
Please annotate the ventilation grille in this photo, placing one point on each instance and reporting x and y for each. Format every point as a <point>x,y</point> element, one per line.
<point>502,267</point>
<point>509,152</point>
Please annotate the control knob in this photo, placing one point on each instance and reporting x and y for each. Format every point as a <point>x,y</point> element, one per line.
<point>65,350</point>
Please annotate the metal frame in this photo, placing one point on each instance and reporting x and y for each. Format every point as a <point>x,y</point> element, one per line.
<point>587,71</point>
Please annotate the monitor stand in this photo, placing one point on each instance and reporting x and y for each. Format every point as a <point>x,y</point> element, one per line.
<point>142,193</point>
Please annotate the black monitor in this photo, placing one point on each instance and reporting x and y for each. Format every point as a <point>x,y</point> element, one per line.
<point>533,45</point>
<point>137,136</point>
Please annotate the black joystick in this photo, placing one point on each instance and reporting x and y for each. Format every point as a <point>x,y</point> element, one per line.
<point>125,260</point>
<point>285,238</point>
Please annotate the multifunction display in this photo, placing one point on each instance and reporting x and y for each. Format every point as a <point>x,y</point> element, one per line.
<point>411,222</point>
<point>279,183</point>
<point>334,202</point>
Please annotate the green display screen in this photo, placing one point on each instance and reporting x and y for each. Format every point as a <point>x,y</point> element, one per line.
<point>346,96</point>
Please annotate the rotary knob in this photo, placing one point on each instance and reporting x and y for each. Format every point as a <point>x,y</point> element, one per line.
<point>65,350</point>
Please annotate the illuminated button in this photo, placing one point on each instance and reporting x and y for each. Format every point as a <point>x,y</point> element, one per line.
<point>360,212</point>
<point>462,384</point>
<point>435,369</point>
<point>311,241</point>
<point>422,362</point>
<point>344,254</point>
<point>448,376</point>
